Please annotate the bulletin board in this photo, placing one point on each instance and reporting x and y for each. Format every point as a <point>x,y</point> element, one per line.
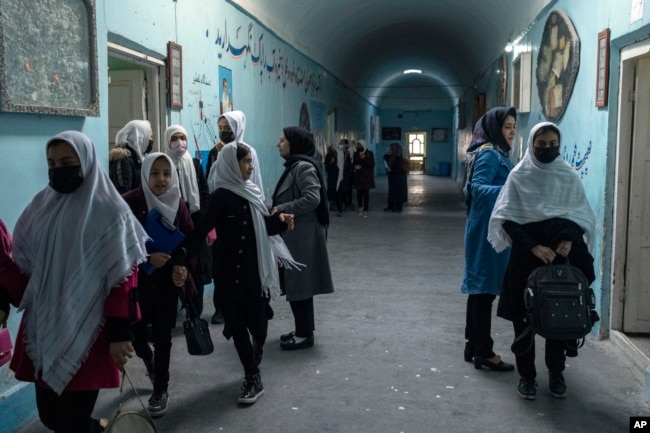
<point>48,57</point>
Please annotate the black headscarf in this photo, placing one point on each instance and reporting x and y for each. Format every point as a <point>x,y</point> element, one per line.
<point>301,141</point>
<point>488,129</point>
<point>301,148</point>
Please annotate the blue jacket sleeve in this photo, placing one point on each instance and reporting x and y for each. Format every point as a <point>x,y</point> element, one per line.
<point>486,168</point>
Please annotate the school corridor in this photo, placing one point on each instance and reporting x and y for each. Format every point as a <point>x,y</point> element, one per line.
<point>388,348</point>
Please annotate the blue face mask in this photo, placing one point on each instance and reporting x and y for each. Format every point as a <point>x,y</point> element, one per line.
<point>65,179</point>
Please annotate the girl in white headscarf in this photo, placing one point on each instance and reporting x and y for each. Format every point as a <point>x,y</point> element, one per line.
<point>176,149</point>
<point>542,211</point>
<point>125,160</point>
<point>158,293</point>
<point>79,244</point>
<point>247,273</point>
<point>233,132</point>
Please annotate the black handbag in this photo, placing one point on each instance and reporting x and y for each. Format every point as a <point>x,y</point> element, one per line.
<point>197,332</point>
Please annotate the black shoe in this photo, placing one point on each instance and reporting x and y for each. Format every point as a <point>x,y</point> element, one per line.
<point>556,384</point>
<point>527,389</point>
<point>217,318</point>
<point>287,337</point>
<point>388,209</point>
<point>292,344</point>
<point>468,353</point>
<point>150,370</point>
<point>251,390</point>
<point>158,404</point>
<point>500,366</point>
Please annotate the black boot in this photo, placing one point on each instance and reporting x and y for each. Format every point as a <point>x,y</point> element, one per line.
<point>252,389</point>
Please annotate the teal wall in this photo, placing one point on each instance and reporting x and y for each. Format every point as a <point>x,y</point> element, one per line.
<point>410,121</point>
<point>270,83</point>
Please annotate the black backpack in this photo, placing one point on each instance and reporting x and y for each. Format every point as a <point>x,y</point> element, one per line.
<point>559,303</point>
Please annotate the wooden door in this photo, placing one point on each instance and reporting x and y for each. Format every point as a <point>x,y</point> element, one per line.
<point>637,270</point>
<point>126,100</point>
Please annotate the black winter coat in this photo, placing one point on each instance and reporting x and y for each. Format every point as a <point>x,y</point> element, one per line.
<point>364,177</point>
<point>159,287</point>
<point>236,273</point>
<point>124,169</point>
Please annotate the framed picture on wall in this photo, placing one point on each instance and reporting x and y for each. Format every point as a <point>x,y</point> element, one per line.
<point>602,69</point>
<point>225,90</point>
<point>391,133</point>
<point>41,71</point>
<point>558,59</point>
<point>439,135</point>
<point>175,72</point>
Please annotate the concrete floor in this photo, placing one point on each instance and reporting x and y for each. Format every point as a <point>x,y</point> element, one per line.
<point>388,352</point>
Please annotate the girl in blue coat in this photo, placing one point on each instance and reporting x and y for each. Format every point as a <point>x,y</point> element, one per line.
<point>484,268</point>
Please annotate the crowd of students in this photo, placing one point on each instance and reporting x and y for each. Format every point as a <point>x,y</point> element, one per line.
<point>83,256</point>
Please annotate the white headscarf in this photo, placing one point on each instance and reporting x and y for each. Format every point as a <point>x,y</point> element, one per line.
<point>136,135</point>
<point>535,191</point>
<point>186,172</point>
<point>75,247</point>
<point>167,202</point>
<point>237,121</point>
<point>229,177</point>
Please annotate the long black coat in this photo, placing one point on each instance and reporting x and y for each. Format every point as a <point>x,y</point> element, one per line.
<point>364,177</point>
<point>397,186</point>
<point>236,273</point>
<point>522,261</point>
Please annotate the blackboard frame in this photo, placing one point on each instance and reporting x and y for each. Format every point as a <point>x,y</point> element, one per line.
<point>391,133</point>
<point>58,75</point>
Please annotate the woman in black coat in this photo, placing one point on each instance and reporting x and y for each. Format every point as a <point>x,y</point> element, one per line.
<point>543,212</point>
<point>363,162</point>
<point>397,189</point>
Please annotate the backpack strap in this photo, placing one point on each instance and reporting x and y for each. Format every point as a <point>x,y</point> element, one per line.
<point>527,331</point>
<point>470,171</point>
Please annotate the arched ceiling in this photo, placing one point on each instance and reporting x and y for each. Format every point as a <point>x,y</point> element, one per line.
<point>368,43</point>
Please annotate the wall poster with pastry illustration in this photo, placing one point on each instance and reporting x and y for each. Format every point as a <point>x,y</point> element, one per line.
<point>557,64</point>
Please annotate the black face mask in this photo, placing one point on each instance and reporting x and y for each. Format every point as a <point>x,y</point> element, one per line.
<point>65,179</point>
<point>547,154</point>
<point>149,147</point>
<point>226,136</point>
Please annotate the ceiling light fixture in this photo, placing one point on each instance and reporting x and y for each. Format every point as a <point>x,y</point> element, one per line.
<point>412,71</point>
<point>509,44</point>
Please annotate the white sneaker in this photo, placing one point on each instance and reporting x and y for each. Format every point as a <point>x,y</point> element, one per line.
<point>360,213</point>
<point>365,214</point>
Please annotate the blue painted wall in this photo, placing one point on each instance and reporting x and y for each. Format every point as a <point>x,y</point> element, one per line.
<point>420,121</point>
<point>270,82</point>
